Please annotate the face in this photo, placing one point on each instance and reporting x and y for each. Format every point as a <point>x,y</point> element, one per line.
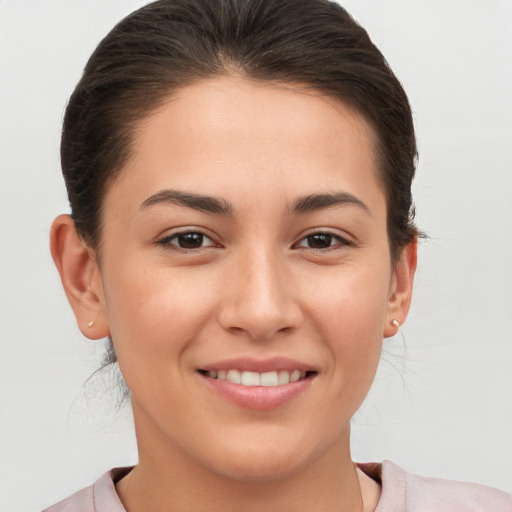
<point>245,277</point>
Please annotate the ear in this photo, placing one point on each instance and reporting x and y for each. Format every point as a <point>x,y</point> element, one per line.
<point>80,276</point>
<point>401,288</point>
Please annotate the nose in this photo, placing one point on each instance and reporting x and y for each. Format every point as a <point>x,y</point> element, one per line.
<point>260,297</point>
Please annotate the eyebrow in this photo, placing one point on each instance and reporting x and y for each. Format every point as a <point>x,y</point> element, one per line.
<point>196,201</point>
<point>219,206</point>
<point>315,202</point>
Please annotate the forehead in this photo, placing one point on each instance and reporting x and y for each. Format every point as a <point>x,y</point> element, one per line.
<point>224,135</point>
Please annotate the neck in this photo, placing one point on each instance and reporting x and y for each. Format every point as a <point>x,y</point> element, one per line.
<point>170,480</point>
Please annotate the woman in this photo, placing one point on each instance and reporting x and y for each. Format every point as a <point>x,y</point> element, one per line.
<point>239,174</point>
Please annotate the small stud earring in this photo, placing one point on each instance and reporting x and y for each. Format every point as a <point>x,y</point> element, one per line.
<point>395,323</point>
<point>90,324</point>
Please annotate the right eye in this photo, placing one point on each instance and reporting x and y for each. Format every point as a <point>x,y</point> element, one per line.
<point>323,241</point>
<point>188,240</point>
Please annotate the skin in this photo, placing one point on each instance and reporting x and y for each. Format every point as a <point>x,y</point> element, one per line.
<point>254,288</point>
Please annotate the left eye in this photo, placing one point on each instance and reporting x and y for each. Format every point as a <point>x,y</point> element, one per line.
<point>322,241</point>
<point>188,240</point>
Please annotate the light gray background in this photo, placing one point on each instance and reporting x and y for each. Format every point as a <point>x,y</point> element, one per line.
<point>441,404</point>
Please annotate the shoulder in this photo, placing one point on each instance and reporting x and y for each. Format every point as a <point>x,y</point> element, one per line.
<point>99,497</point>
<point>405,492</point>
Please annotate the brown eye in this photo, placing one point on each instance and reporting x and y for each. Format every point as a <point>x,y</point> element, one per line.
<point>188,240</point>
<point>319,240</point>
<point>323,240</point>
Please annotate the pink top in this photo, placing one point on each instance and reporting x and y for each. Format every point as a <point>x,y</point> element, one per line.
<point>401,492</point>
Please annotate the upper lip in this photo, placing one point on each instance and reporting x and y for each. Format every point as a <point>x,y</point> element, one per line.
<point>259,365</point>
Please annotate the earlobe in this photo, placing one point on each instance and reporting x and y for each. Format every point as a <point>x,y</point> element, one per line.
<point>401,289</point>
<point>80,276</point>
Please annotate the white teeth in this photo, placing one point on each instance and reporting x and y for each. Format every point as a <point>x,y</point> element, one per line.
<point>283,377</point>
<point>269,379</point>
<point>250,378</point>
<point>246,378</point>
<point>234,376</point>
<point>295,376</point>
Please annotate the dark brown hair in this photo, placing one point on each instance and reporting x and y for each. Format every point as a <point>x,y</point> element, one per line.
<point>172,43</point>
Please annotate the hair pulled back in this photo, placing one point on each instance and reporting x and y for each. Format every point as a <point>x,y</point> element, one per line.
<point>169,44</point>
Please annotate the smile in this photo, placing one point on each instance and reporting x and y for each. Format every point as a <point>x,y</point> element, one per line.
<point>250,378</point>
<point>260,385</point>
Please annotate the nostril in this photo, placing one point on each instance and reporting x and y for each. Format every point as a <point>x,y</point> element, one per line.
<point>262,304</point>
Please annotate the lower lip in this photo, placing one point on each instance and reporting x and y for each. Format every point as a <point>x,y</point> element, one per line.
<point>258,398</point>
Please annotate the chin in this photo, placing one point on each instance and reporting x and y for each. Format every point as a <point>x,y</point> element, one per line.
<point>264,461</point>
<point>266,468</point>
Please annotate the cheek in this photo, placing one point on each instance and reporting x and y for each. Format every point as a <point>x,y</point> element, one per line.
<point>349,312</point>
<point>154,313</point>
<point>351,299</point>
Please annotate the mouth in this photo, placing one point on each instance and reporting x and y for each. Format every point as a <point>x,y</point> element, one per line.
<point>247,378</point>
<point>260,385</point>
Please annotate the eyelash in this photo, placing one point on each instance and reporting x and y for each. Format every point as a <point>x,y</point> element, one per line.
<point>332,237</point>
<point>167,241</point>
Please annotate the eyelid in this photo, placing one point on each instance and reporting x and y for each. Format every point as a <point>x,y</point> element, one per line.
<point>343,241</point>
<point>165,240</point>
